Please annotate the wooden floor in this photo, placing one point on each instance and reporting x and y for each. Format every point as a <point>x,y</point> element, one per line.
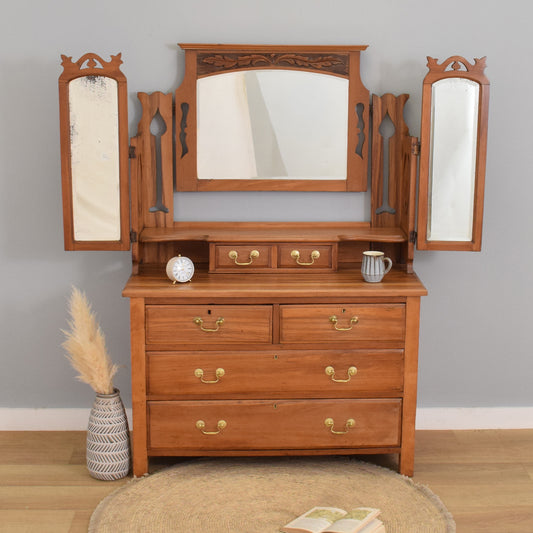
<point>485,478</point>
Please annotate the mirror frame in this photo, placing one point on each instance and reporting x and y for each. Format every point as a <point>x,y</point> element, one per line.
<point>93,65</point>
<point>453,67</point>
<point>203,60</point>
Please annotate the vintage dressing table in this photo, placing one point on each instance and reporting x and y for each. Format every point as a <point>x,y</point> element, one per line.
<point>277,346</point>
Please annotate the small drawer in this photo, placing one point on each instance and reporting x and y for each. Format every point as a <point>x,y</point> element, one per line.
<point>275,374</point>
<point>241,257</point>
<point>208,324</point>
<point>350,323</point>
<point>307,256</point>
<point>273,424</point>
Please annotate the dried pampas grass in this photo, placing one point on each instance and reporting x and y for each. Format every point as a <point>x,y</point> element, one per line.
<point>85,346</point>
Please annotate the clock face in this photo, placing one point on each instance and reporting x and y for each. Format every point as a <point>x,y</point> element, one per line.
<point>180,269</point>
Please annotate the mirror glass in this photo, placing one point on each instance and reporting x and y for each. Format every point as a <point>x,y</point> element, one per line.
<point>94,147</point>
<point>277,124</point>
<point>452,166</point>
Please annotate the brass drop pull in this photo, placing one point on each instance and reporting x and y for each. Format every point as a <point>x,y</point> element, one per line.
<point>350,423</point>
<point>199,373</point>
<point>221,424</point>
<point>254,254</point>
<point>295,254</point>
<point>334,320</point>
<point>330,371</point>
<point>199,322</point>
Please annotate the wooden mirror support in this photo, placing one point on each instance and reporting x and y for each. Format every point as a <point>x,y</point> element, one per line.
<point>394,162</point>
<point>94,153</point>
<point>202,60</point>
<point>455,102</point>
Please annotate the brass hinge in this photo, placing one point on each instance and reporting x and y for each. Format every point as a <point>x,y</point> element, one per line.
<point>415,148</point>
<point>133,236</point>
<point>131,152</point>
<point>413,235</point>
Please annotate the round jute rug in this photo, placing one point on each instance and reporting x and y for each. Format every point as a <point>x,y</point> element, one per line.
<point>251,495</point>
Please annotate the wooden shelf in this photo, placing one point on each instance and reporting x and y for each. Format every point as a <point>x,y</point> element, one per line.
<point>273,232</point>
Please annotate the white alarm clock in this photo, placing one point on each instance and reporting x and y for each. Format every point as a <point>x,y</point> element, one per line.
<point>180,269</point>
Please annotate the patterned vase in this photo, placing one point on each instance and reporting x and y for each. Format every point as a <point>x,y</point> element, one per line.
<point>108,439</point>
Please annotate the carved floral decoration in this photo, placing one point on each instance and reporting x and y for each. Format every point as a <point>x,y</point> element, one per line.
<point>235,61</point>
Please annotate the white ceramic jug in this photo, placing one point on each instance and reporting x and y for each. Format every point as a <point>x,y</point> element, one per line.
<point>373,267</point>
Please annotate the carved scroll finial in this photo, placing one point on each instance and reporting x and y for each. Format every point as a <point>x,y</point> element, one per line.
<point>457,63</point>
<point>67,60</point>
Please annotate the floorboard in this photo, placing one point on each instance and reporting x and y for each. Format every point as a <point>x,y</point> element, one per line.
<point>484,477</point>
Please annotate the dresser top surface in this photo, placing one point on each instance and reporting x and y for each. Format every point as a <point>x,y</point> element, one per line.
<point>346,283</point>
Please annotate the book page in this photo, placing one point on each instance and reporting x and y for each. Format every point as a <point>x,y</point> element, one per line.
<point>315,520</point>
<point>353,521</point>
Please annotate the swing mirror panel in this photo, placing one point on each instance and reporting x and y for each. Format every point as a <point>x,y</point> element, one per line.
<point>94,154</point>
<point>453,153</point>
<point>271,118</point>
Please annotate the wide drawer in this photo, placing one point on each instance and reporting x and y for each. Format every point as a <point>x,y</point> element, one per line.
<point>274,424</point>
<point>208,325</point>
<point>285,373</point>
<point>339,324</point>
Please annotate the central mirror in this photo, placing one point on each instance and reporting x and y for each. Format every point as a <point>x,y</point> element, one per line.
<point>272,118</point>
<point>274,124</point>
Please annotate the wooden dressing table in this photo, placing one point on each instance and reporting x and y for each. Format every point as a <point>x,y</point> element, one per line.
<point>277,346</point>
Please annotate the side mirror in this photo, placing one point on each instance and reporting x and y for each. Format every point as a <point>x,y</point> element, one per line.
<point>93,109</point>
<point>455,102</point>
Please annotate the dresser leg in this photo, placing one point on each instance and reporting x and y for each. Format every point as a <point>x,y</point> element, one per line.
<point>412,323</point>
<point>140,463</point>
<point>407,462</point>
<point>138,387</point>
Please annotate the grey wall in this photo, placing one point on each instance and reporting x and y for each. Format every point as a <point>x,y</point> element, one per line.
<point>475,347</point>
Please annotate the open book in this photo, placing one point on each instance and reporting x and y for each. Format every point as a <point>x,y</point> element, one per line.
<point>334,520</point>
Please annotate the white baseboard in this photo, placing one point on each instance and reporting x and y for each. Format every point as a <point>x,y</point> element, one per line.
<point>22,419</point>
<point>474,418</point>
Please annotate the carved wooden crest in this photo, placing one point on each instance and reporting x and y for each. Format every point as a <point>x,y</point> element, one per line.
<point>92,64</point>
<point>457,63</point>
<point>336,63</point>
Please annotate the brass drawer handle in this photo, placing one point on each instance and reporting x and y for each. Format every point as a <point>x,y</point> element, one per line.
<point>334,320</point>
<point>295,254</point>
<point>221,424</point>
<point>254,254</point>
<point>199,373</point>
<point>199,322</point>
<point>330,371</point>
<point>350,423</point>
